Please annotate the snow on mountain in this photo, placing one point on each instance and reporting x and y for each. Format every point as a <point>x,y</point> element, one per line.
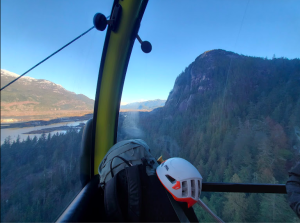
<point>7,76</point>
<point>11,74</point>
<point>28,94</point>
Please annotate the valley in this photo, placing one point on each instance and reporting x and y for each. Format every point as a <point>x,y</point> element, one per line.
<point>234,117</point>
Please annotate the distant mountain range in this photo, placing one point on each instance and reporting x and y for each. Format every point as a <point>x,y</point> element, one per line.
<point>144,105</point>
<point>32,99</point>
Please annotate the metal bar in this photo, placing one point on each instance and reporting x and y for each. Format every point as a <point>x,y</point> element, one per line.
<point>139,38</point>
<point>244,188</point>
<point>207,209</point>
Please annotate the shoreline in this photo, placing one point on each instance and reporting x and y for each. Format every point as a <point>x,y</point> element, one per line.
<point>43,122</point>
<point>59,128</point>
<point>34,123</point>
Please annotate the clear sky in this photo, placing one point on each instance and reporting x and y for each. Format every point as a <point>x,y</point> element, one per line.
<point>179,31</point>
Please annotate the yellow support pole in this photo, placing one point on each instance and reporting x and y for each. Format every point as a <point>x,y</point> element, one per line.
<point>113,73</point>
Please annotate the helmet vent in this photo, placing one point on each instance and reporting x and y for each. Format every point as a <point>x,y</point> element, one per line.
<point>171,179</point>
<point>184,189</point>
<point>193,188</point>
<point>199,190</point>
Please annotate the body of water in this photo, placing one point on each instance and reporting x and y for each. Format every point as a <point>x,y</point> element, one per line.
<point>14,132</point>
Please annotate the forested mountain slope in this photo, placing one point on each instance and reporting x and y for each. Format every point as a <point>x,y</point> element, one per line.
<point>39,176</point>
<point>37,98</point>
<point>236,118</point>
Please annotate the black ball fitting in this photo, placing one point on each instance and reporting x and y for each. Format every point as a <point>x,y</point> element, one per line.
<point>146,47</point>
<point>100,21</point>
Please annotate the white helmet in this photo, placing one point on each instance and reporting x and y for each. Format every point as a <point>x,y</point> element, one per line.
<point>181,179</point>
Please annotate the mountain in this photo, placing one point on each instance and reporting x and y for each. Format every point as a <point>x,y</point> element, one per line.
<point>236,118</point>
<point>145,105</point>
<point>30,98</point>
<point>222,92</point>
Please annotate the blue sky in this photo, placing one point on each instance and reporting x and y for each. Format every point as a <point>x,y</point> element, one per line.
<point>179,31</point>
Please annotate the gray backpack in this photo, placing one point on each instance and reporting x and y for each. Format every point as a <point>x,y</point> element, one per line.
<point>126,153</point>
<point>123,178</point>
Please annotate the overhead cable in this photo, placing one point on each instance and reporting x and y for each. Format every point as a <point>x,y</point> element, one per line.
<point>48,57</point>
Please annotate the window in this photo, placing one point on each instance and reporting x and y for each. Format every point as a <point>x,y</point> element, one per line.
<point>227,80</point>
<point>43,113</point>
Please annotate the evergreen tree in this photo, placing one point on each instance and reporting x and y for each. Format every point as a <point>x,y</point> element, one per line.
<point>236,205</point>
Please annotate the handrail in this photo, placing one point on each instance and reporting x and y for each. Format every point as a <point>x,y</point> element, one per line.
<point>244,188</point>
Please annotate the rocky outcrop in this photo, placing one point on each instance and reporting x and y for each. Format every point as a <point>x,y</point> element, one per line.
<point>198,78</point>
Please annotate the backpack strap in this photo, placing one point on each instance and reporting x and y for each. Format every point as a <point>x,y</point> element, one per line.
<point>134,190</point>
<point>111,203</point>
<point>134,193</point>
<point>125,161</point>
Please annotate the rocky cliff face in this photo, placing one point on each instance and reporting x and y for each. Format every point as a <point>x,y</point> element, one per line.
<point>227,75</point>
<point>199,77</point>
<point>220,92</point>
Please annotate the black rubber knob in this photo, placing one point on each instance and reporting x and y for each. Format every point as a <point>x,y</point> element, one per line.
<point>100,21</point>
<point>146,47</point>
